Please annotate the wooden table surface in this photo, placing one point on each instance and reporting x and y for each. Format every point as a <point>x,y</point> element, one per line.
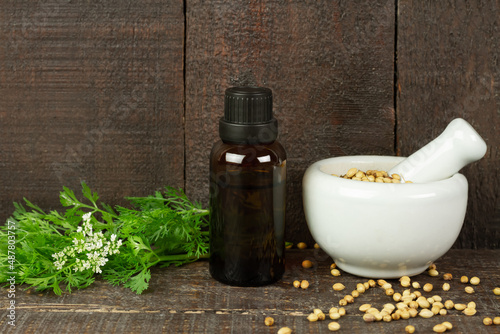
<point>187,300</point>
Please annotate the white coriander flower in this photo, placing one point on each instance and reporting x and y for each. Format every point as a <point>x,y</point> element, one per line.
<point>86,217</point>
<point>95,245</point>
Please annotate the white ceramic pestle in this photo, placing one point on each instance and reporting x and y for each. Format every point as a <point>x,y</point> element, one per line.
<point>458,145</point>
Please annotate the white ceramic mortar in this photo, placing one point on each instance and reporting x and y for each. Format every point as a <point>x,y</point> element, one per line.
<point>381,230</point>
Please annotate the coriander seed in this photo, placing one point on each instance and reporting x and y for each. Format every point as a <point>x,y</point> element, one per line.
<point>268,321</point>
<point>469,289</point>
<point>285,330</point>
<point>304,284</point>
<point>428,287</point>
<point>447,277</point>
<point>335,272</point>
<point>410,329</point>
<point>439,328</point>
<point>333,326</point>
<point>487,321</point>
<point>464,279</point>
<point>307,264</point>
<point>301,245</point>
<point>296,284</point>
<point>474,280</point>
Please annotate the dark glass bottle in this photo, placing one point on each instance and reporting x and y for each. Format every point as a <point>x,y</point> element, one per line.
<point>247,192</point>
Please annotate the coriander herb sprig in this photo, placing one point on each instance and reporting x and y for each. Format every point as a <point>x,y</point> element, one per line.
<point>64,251</point>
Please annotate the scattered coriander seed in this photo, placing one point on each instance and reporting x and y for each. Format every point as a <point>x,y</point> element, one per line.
<point>469,289</point>
<point>474,280</point>
<point>304,284</point>
<point>432,266</point>
<point>415,285</point>
<point>405,283</point>
<point>338,287</point>
<point>349,299</point>
<point>443,311</point>
<point>426,313</point>
<point>335,315</point>
<point>333,310</point>
<point>301,245</point>
<point>496,291</point>
<point>446,287</point>
<point>464,279</point>
<point>439,328</point>
<point>410,329</point>
<point>360,287</point>
<point>487,321</point>
<point>333,326</point>
<point>372,283</point>
<point>471,304</point>
<point>355,293</point>
<point>285,330</point>
<point>447,277</point>
<point>433,272</point>
<point>368,317</point>
<point>460,307</point>
<point>320,314</point>
<point>364,307</point>
<point>469,311</point>
<point>316,246</point>
<point>496,320</point>
<point>269,321</point>
<point>296,284</point>
<point>342,311</point>
<point>449,304</point>
<point>335,272</point>
<point>448,325</point>
<point>307,264</point>
<point>428,287</point>
<point>342,302</point>
<point>312,317</point>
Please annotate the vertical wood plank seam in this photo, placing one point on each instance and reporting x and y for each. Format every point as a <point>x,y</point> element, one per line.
<point>396,83</point>
<point>184,108</point>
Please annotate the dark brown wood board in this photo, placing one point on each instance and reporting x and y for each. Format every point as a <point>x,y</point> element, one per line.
<point>329,64</point>
<point>448,67</point>
<point>90,91</point>
<point>187,300</point>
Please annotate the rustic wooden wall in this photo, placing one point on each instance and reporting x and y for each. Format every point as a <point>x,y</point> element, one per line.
<point>126,95</point>
<point>90,91</point>
<point>449,66</point>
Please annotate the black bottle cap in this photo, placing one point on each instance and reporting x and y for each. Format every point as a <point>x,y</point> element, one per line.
<point>248,116</point>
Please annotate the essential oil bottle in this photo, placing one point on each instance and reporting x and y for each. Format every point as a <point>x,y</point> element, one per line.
<point>247,192</point>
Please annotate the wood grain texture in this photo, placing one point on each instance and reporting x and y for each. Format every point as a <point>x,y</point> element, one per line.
<point>91,91</point>
<point>447,68</point>
<point>329,64</point>
<point>187,300</point>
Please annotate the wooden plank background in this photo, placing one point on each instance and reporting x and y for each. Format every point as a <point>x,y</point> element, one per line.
<point>126,95</point>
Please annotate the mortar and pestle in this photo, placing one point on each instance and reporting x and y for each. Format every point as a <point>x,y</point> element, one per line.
<point>387,230</point>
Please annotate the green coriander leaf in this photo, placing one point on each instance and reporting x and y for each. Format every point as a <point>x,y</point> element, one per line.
<point>139,282</point>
